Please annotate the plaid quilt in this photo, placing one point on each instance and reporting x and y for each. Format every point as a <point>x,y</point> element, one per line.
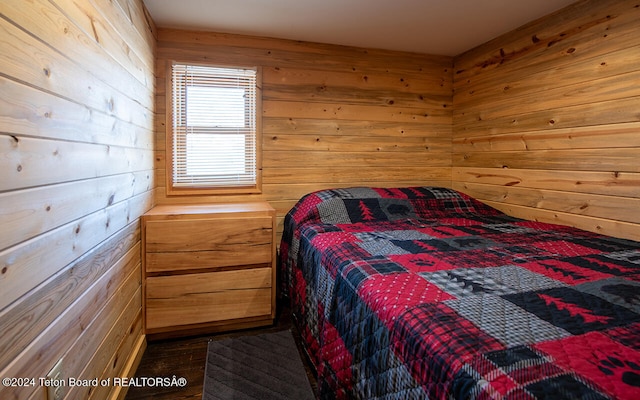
<point>423,292</point>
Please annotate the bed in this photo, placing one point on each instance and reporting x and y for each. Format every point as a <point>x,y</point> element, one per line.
<point>424,292</point>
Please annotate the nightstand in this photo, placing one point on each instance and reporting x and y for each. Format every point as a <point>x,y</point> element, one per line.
<point>208,268</point>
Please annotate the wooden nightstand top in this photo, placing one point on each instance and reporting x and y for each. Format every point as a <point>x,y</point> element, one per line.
<point>212,208</point>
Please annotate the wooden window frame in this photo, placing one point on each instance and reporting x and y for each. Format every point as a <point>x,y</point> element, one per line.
<point>173,190</point>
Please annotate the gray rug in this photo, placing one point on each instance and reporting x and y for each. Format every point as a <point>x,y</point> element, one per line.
<point>266,366</point>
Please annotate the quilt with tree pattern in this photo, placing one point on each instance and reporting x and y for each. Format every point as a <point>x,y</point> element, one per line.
<point>424,292</point>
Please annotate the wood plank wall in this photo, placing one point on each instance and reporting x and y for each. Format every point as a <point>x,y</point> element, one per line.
<point>546,119</point>
<point>76,154</point>
<point>332,116</point>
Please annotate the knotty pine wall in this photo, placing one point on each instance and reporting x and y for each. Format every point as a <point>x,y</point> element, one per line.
<point>76,154</point>
<point>332,116</point>
<point>546,119</point>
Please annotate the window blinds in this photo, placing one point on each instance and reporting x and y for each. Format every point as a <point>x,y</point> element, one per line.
<point>214,126</point>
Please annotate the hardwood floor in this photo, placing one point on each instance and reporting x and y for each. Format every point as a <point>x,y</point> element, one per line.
<point>186,358</point>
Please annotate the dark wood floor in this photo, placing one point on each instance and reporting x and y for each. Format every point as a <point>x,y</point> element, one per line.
<point>186,358</point>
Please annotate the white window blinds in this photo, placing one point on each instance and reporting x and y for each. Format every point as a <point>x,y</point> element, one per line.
<point>214,127</point>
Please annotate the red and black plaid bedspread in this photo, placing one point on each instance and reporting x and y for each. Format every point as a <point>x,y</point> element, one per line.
<point>426,293</point>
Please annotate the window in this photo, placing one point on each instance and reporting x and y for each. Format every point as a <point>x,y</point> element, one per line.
<point>214,137</point>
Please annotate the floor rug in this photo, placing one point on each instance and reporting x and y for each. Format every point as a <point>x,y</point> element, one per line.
<point>265,366</point>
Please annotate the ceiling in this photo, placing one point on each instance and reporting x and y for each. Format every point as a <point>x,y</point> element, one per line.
<point>441,27</point>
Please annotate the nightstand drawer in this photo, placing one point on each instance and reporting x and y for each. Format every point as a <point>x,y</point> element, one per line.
<point>173,245</point>
<point>208,297</point>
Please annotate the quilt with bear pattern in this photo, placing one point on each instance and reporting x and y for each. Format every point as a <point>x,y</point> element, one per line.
<point>426,293</point>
